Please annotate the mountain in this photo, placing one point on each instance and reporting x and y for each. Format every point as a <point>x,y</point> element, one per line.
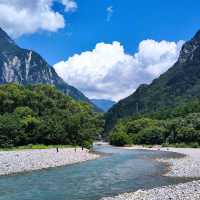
<point>28,67</point>
<point>179,84</point>
<point>103,104</point>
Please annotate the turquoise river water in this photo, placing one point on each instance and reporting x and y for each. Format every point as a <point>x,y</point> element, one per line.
<point>117,172</point>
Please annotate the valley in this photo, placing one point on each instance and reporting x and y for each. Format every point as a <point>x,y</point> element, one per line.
<point>99,109</point>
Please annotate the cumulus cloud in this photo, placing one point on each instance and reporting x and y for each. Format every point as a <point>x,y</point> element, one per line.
<point>18,17</point>
<point>70,5</point>
<point>108,72</point>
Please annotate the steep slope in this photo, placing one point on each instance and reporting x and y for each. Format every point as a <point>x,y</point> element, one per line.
<point>103,104</point>
<point>179,84</point>
<point>40,114</point>
<point>27,67</point>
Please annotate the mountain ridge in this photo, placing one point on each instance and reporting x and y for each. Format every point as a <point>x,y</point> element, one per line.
<point>176,86</point>
<point>25,66</point>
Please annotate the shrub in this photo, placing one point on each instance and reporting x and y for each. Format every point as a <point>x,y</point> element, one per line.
<point>119,139</point>
<point>151,135</point>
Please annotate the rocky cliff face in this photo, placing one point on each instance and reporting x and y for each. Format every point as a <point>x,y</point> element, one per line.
<point>27,67</point>
<point>179,84</point>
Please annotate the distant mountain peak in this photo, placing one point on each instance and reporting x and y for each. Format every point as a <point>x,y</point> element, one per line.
<point>197,36</point>
<point>103,104</point>
<point>190,50</point>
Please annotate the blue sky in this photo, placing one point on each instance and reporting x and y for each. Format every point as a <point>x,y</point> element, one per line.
<point>132,22</point>
<point>105,48</point>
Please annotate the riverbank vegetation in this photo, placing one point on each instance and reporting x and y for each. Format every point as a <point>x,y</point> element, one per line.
<point>36,146</point>
<point>39,114</point>
<point>179,126</point>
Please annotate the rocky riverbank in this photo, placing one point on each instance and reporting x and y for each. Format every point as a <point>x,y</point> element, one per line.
<point>29,160</point>
<point>188,166</point>
<point>186,191</point>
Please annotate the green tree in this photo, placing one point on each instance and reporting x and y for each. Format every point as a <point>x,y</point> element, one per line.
<point>119,139</point>
<point>39,114</point>
<point>151,135</point>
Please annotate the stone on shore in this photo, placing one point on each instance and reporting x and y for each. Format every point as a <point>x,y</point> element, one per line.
<point>28,160</point>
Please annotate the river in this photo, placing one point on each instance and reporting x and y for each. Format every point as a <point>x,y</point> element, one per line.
<point>116,172</point>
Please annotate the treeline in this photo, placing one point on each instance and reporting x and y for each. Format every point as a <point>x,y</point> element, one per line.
<point>175,126</point>
<point>39,114</point>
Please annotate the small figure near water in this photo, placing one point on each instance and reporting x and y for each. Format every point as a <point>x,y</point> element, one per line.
<point>57,149</point>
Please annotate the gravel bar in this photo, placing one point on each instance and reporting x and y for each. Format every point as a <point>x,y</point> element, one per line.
<point>29,160</point>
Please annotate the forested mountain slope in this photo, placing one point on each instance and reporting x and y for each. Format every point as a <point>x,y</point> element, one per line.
<point>40,114</point>
<point>179,84</point>
<point>28,67</point>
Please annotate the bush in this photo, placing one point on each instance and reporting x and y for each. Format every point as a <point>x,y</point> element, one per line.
<point>87,144</point>
<point>151,135</point>
<point>194,145</point>
<point>119,139</point>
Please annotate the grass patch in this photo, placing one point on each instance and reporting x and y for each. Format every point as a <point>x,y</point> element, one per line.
<point>37,146</point>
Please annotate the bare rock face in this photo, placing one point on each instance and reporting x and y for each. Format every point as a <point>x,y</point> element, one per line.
<point>190,51</point>
<point>27,67</point>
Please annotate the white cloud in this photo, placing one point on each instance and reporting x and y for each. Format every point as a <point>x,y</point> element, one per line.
<point>70,5</point>
<point>109,11</point>
<point>108,72</point>
<point>18,17</point>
